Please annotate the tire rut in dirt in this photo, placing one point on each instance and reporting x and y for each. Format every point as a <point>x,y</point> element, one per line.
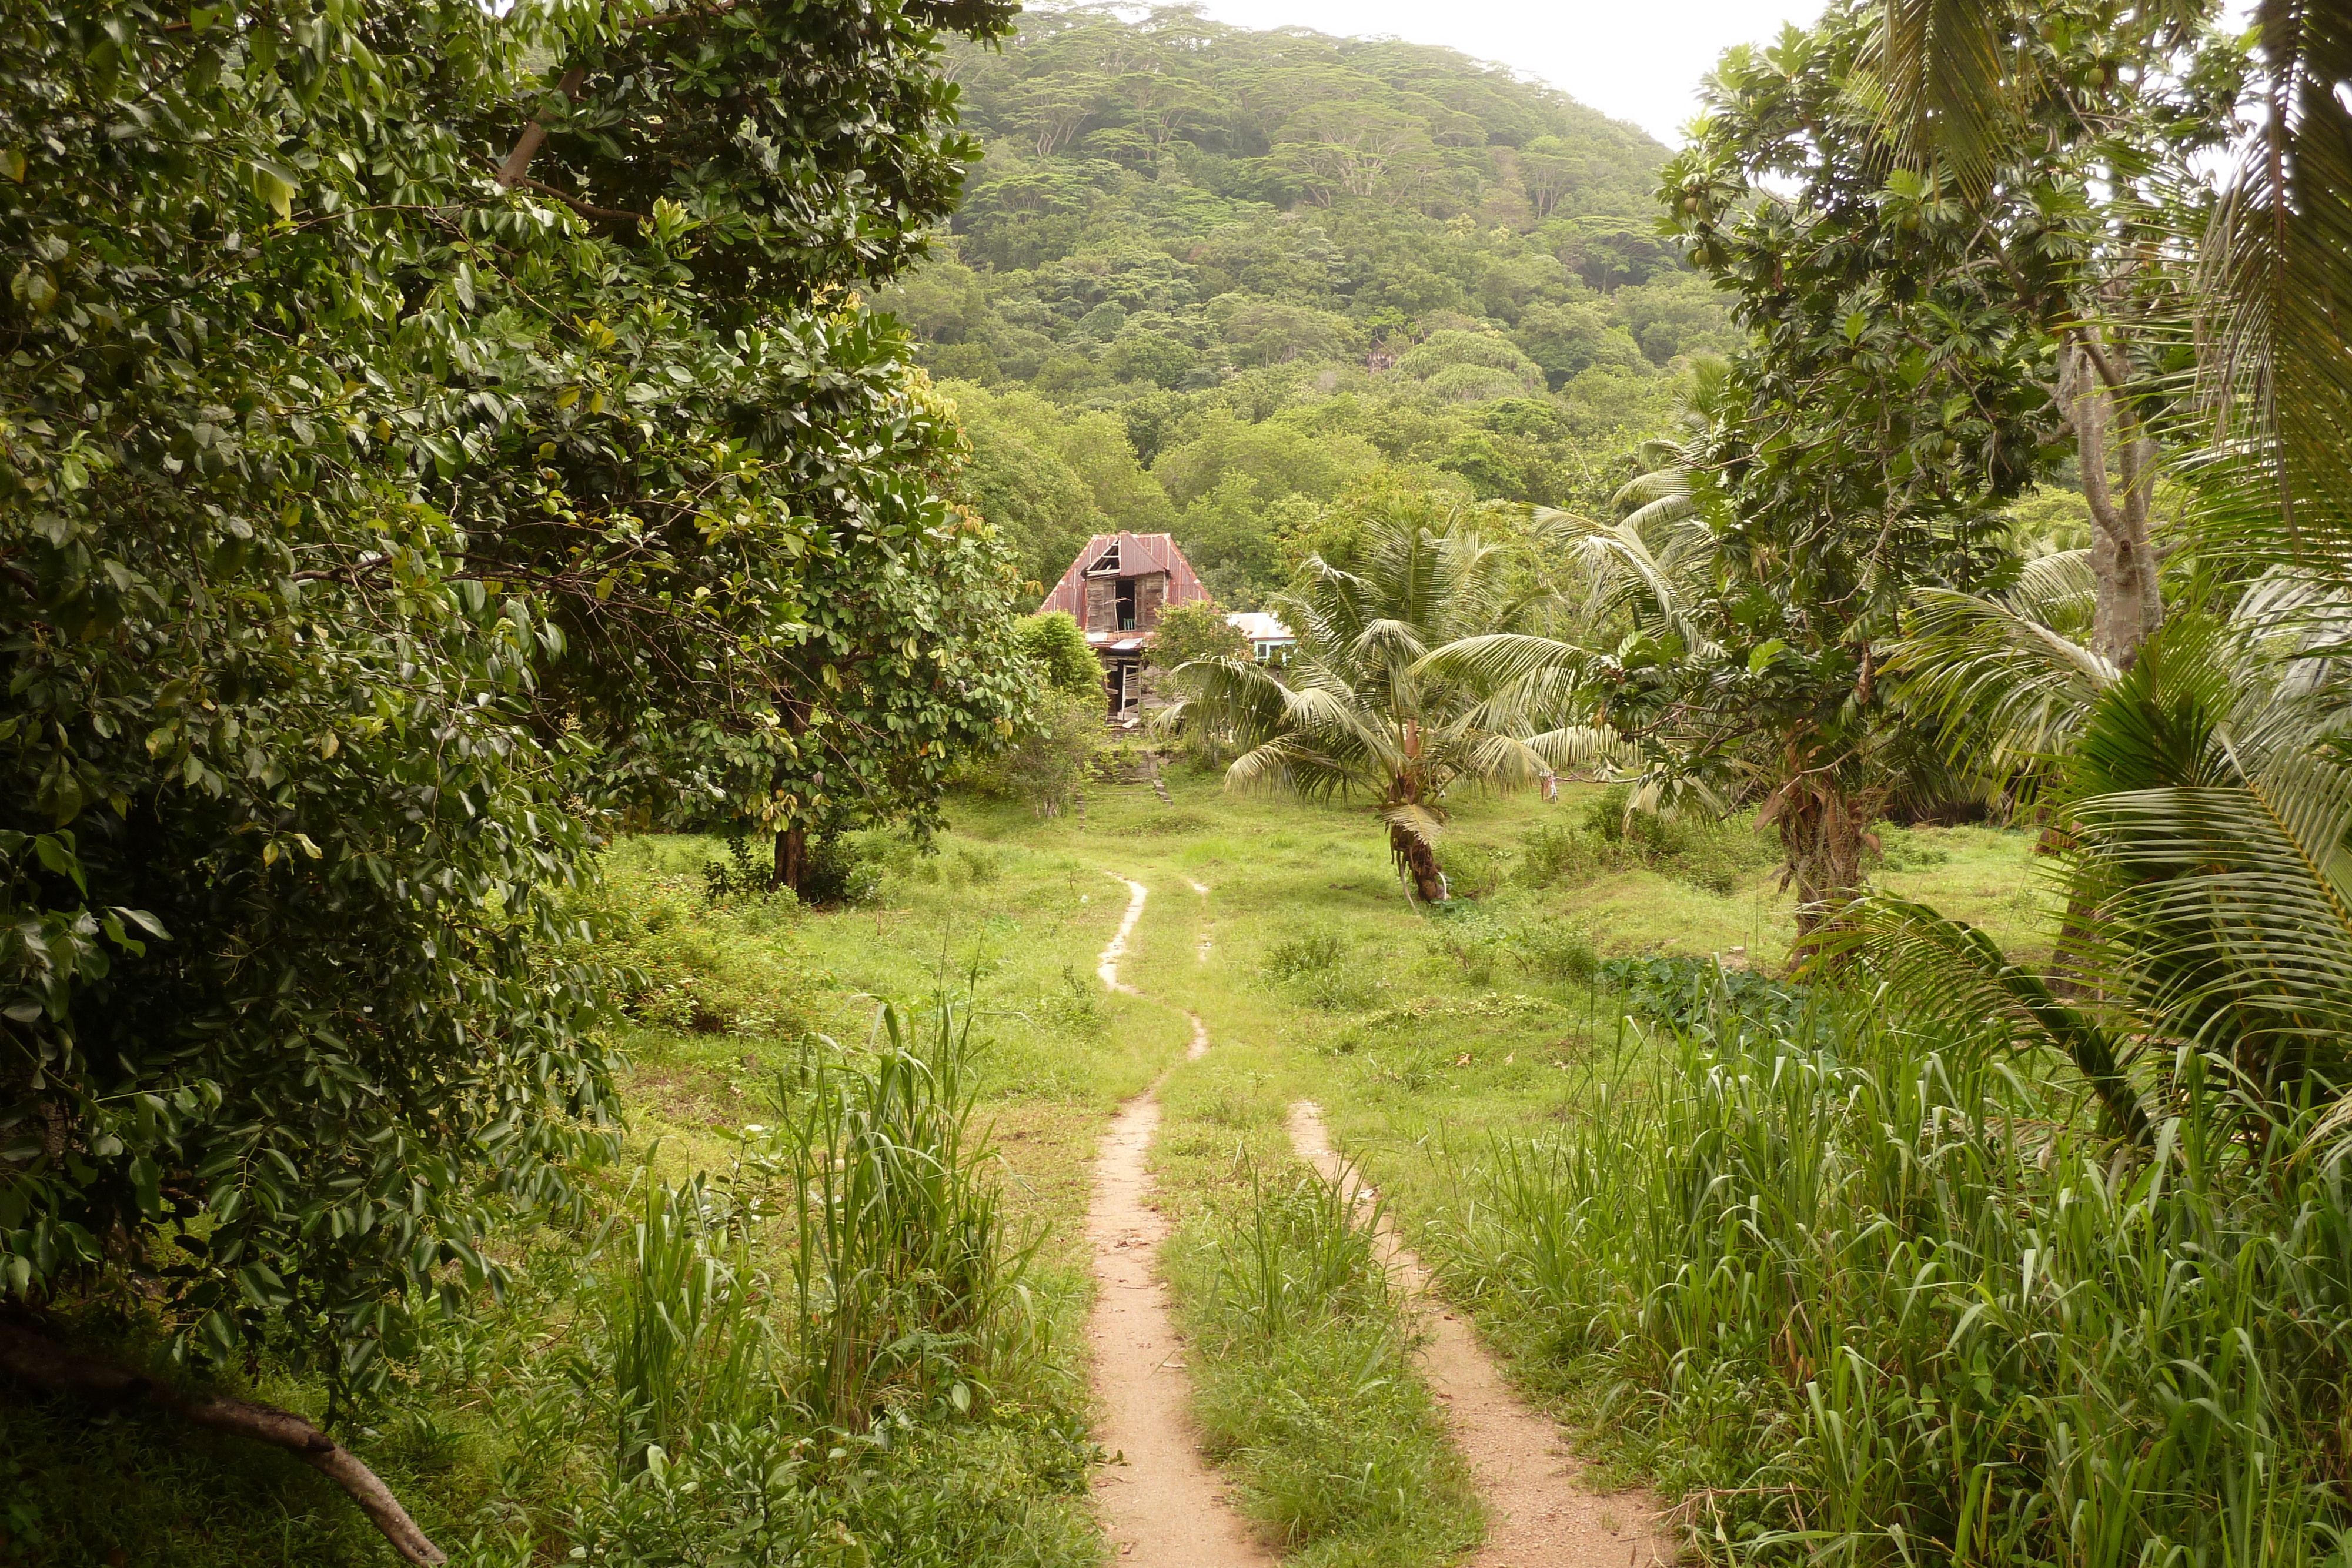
<point>1543,1516</point>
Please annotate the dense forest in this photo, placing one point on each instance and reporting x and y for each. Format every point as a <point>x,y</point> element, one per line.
<point>1220,282</point>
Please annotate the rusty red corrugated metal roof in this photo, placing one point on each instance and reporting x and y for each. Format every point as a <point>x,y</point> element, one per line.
<point>1158,551</point>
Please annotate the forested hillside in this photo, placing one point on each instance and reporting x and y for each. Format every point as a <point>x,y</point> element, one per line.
<point>1228,283</point>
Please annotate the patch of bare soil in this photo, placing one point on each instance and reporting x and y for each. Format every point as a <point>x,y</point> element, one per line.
<point>1160,1504</point>
<point>1544,1517</point>
<point>1200,955</point>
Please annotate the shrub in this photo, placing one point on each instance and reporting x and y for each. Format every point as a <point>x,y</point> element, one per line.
<point>1708,856</point>
<point>1551,853</point>
<point>1471,871</point>
<point>840,871</point>
<point>1054,642</point>
<point>1555,951</point>
<point>685,963</point>
<point>908,1281</point>
<point>1692,993</point>
<point>687,1349</point>
<point>1189,632</point>
<point>1056,745</point>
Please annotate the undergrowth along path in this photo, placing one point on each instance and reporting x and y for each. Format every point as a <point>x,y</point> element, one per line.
<point>1160,1504</point>
<point>1544,1517</point>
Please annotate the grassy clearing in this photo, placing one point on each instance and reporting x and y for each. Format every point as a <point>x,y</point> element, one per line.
<point>1423,1036</point>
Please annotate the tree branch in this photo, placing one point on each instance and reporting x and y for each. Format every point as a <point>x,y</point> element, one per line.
<point>574,203</point>
<point>33,1358</point>
<point>526,145</point>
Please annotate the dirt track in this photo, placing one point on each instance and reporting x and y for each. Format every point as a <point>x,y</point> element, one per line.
<point>1162,1506</point>
<point>1159,1503</point>
<point>1542,1517</point>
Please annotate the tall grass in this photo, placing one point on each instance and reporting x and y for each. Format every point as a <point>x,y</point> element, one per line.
<point>1872,1294</point>
<point>1301,1255</point>
<point>835,1407</point>
<point>688,1344</point>
<point>909,1282</point>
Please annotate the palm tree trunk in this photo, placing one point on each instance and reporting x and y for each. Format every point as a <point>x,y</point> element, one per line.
<point>1823,833</point>
<point>1416,861</point>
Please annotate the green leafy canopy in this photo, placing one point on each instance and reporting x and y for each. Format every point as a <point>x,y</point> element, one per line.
<point>368,525</point>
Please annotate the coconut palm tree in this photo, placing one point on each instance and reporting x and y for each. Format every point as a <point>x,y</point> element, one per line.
<point>2204,786</point>
<point>2207,818</point>
<point>1352,715</point>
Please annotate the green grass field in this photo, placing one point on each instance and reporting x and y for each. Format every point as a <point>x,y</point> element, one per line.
<point>1425,1034</point>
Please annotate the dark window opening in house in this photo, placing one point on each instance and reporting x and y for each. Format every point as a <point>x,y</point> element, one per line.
<point>1122,684</point>
<point>1127,604</point>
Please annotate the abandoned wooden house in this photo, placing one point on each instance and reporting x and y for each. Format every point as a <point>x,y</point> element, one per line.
<point>1116,590</point>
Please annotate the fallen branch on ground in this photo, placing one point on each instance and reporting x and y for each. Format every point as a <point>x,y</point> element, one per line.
<point>34,1358</point>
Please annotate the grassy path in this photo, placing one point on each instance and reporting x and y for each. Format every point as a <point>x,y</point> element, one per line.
<point>1160,1504</point>
<point>1541,1513</point>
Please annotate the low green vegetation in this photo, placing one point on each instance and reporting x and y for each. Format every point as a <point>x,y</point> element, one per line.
<point>1301,1360</point>
<point>1841,1285</point>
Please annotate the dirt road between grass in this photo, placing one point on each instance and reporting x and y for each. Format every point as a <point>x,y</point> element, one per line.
<point>1160,1504</point>
<point>1543,1516</point>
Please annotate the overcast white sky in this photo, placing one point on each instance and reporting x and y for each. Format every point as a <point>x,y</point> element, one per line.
<point>1634,59</point>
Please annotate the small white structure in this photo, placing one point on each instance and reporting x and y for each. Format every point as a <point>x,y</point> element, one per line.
<point>1268,638</point>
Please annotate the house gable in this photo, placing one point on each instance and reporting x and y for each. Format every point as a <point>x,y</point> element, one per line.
<point>1146,570</point>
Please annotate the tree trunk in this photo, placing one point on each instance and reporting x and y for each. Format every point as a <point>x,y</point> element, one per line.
<point>1417,864</point>
<point>2124,561</point>
<point>1824,832</point>
<point>792,858</point>
<point>33,1358</point>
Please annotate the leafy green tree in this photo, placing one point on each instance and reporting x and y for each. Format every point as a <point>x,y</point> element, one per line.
<point>1159,358</point>
<point>1054,645</point>
<point>1020,486</point>
<point>1890,404</point>
<point>1225,534</point>
<point>2068,142</point>
<point>1190,632</point>
<point>362,516</point>
<point>1276,456</point>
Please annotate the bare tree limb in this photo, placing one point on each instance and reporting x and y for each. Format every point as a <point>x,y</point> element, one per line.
<point>34,1358</point>
<point>526,145</point>
<point>575,204</point>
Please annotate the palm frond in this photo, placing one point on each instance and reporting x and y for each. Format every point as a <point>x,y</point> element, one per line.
<point>2278,262</point>
<point>1942,79</point>
<point>1504,659</point>
<point>2001,683</point>
<point>1943,969</point>
<point>1414,819</point>
<point>2060,590</point>
<point>1575,747</point>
